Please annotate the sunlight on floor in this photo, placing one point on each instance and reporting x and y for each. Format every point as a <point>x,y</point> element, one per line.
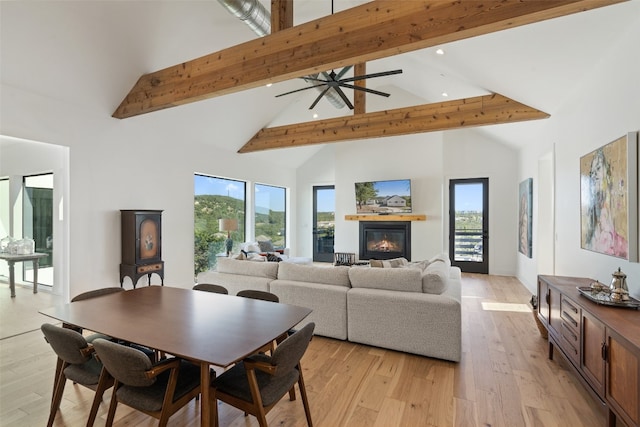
<point>505,306</point>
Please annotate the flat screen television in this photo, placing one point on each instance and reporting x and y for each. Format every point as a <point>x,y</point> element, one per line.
<point>383,197</point>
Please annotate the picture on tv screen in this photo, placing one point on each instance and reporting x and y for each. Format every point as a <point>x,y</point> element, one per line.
<point>383,197</point>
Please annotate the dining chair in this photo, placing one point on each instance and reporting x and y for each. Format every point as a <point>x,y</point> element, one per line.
<point>208,287</point>
<point>261,295</point>
<point>257,383</point>
<point>78,364</point>
<point>158,390</point>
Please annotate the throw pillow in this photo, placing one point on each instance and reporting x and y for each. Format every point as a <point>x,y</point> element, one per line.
<point>376,263</point>
<point>273,258</point>
<point>266,246</point>
<point>242,256</point>
<point>395,263</point>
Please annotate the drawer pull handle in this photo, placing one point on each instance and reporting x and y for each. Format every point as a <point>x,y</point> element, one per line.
<point>574,309</point>
<point>568,317</point>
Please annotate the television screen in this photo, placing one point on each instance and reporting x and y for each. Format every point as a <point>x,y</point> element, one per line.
<point>383,197</point>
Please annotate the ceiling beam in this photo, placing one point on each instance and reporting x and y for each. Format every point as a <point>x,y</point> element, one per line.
<point>469,112</point>
<point>371,31</point>
<point>281,15</point>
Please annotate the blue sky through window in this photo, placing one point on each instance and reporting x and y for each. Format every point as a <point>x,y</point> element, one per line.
<point>218,186</point>
<point>468,197</point>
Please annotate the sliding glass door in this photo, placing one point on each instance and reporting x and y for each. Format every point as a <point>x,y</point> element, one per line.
<point>37,221</point>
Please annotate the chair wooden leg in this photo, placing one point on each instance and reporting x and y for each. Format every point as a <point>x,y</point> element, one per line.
<point>213,404</point>
<point>59,363</point>
<point>112,406</point>
<point>303,394</point>
<point>57,395</point>
<point>104,383</point>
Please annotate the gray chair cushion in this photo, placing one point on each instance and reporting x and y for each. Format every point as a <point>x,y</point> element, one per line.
<point>125,364</point>
<point>150,398</point>
<point>272,387</point>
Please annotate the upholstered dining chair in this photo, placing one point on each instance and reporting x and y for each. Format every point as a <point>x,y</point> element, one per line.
<point>77,364</point>
<point>257,383</point>
<point>261,295</point>
<point>159,390</point>
<point>208,287</point>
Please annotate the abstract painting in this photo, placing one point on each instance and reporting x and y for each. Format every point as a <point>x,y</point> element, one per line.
<point>608,198</point>
<point>524,217</point>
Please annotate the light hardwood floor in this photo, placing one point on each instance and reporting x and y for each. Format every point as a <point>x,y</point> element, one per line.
<point>504,379</point>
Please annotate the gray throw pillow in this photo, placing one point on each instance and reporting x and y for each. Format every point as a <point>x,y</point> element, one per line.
<point>266,246</point>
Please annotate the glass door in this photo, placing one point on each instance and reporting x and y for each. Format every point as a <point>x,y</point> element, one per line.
<point>37,220</point>
<point>469,224</point>
<point>324,212</point>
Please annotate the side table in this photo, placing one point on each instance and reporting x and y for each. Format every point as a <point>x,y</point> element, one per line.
<point>12,259</point>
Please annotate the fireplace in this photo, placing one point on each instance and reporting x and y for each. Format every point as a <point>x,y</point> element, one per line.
<point>385,239</point>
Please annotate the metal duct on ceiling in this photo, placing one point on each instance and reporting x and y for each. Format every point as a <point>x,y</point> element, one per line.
<point>258,18</point>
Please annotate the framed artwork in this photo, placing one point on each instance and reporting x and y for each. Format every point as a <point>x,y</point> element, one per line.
<point>609,199</point>
<point>524,217</point>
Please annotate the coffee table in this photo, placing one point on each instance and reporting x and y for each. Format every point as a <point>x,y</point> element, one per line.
<point>203,327</point>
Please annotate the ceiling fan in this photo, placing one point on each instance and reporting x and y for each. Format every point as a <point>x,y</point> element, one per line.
<point>336,82</point>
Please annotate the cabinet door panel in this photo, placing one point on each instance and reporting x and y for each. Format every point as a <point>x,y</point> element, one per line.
<point>623,383</point>
<point>592,360</point>
<point>555,316</point>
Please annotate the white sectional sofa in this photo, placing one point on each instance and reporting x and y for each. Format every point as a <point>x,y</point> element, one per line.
<point>411,309</point>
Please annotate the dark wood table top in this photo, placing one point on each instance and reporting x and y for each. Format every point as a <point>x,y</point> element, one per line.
<point>201,326</point>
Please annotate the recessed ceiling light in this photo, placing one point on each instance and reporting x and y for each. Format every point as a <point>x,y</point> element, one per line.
<point>315,115</point>
<point>440,52</point>
<point>269,84</point>
<point>445,94</point>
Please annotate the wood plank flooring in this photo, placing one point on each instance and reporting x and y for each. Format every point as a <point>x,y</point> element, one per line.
<point>504,379</point>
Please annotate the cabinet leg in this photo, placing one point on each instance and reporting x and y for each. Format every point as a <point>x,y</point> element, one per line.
<point>550,350</point>
<point>611,418</point>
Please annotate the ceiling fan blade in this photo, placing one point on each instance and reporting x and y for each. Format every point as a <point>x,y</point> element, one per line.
<point>319,97</point>
<point>314,79</point>
<point>343,72</point>
<point>365,89</point>
<point>299,90</point>
<point>370,76</point>
<point>344,97</point>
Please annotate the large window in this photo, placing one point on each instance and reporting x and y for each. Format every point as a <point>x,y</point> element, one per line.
<point>270,216</point>
<point>37,223</point>
<point>216,199</point>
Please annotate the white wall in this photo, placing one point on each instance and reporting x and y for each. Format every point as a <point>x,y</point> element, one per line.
<point>429,160</point>
<point>126,164</point>
<point>470,154</point>
<point>605,108</point>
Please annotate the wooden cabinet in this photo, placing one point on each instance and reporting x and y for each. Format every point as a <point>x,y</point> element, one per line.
<point>141,238</point>
<point>601,343</point>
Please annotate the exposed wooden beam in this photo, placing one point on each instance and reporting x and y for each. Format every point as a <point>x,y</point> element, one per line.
<point>371,31</point>
<point>281,15</point>
<point>468,112</point>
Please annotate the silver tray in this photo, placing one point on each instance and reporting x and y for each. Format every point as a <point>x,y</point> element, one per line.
<point>604,297</point>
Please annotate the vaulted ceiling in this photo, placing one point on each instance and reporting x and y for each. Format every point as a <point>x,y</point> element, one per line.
<point>90,54</point>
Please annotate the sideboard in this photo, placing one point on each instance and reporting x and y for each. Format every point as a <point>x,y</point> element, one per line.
<point>601,343</point>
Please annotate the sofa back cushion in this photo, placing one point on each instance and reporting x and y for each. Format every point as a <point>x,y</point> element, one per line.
<point>435,277</point>
<point>268,270</point>
<point>393,279</point>
<point>338,275</point>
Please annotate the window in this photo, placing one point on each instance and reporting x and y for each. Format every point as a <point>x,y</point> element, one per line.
<point>270,215</point>
<point>37,223</point>
<point>215,199</point>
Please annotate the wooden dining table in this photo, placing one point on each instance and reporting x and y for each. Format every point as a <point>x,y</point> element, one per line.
<point>205,328</point>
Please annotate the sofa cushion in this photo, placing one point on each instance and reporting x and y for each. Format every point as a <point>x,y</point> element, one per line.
<point>338,276</point>
<point>394,279</point>
<point>246,268</point>
<point>435,277</point>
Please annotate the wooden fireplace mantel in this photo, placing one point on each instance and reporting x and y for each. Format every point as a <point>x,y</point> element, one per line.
<point>385,217</point>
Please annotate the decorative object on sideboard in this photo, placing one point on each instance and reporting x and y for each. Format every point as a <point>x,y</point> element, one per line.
<point>228,225</point>
<point>609,199</point>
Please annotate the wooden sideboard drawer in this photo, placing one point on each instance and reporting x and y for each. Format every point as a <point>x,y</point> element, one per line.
<point>149,268</point>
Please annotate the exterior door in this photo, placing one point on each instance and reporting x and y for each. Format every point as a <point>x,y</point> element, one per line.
<point>37,222</point>
<point>469,224</point>
<point>324,202</point>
